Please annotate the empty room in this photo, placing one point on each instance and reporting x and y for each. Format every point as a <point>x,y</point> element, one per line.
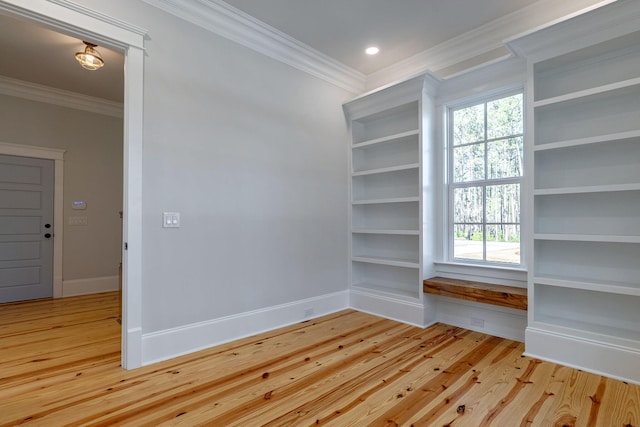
<point>338,212</point>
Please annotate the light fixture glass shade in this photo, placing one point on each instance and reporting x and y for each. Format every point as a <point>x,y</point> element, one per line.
<point>90,58</point>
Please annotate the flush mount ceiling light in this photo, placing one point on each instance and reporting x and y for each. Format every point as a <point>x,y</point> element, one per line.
<point>90,58</point>
<point>372,50</point>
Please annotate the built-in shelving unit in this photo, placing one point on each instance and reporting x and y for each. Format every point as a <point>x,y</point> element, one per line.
<point>584,136</point>
<point>388,205</point>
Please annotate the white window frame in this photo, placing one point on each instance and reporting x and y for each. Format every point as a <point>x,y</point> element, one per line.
<point>450,186</point>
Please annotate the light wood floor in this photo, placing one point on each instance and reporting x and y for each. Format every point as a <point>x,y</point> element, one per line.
<point>59,364</point>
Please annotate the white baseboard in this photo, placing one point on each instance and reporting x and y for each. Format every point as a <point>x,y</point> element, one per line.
<point>403,311</point>
<point>599,358</point>
<point>489,319</point>
<point>91,285</point>
<point>170,343</point>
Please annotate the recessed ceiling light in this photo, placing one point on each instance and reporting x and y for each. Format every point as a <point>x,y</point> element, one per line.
<point>372,50</point>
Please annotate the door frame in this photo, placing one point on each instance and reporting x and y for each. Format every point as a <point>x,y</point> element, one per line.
<point>57,155</point>
<point>78,21</point>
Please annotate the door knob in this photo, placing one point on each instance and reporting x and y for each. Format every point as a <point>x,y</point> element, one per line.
<point>47,226</point>
<point>47,235</point>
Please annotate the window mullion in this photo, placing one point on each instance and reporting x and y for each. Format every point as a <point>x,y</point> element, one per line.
<point>496,181</point>
<point>484,187</point>
<point>450,196</point>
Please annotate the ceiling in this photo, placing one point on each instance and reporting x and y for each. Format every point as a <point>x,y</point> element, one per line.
<point>38,55</point>
<point>340,29</point>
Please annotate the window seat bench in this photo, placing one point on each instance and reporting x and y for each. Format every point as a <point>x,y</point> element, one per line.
<point>505,296</point>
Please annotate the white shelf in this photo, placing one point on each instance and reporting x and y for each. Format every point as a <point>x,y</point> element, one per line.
<point>594,262</point>
<point>619,136</point>
<point>387,193</point>
<point>389,200</point>
<point>589,331</point>
<point>611,287</point>
<point>389,185</point>
<point>585,254</point>
<point>387,261</point>
<point>580,95</point>
<point>587,238</point>
<point>396,232</point>
<point>587,189</point>
<point>385,290</point>
<point>387,169</point>
<point>385,139</point>
<point>611,315</point>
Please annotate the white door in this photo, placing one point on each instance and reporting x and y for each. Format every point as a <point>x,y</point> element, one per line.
<point>26,228</point>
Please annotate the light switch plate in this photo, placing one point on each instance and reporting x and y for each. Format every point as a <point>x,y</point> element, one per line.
<point>171,219</point>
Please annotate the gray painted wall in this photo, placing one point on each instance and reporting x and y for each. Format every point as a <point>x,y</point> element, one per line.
<point>92,173</point>
<point>253,154</point>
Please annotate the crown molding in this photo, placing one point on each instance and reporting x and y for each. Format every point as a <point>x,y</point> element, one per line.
<point>40,93</point>
<point>478,41</point>
<point>233,24</point>
<point>391,96</point>
<point>100,16</point>
<point>606,20</point>
<point>89,24</point>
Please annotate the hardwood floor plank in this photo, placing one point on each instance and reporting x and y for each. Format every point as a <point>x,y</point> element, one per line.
<point>276,384</point>
<point>354,388</point>
<point>251,382</point>
<point>471,397</point>
<point>345,369</point>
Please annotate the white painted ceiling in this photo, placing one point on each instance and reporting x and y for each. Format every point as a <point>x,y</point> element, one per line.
<point>340,29</point>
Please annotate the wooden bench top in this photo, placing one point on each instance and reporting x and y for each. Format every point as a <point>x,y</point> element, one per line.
<point>505,296</point>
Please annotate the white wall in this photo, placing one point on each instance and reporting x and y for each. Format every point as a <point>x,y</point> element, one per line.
<point>252,153</point>
<point>92,173</point>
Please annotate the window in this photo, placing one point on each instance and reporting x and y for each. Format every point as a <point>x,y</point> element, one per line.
<point>484,180</point>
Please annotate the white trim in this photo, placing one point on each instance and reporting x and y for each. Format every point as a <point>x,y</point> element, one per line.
<point>233,24</point>
<point>472,44</point>
<point>83,23</point>
<point>102,18</point>
<point>450,186</point>
<point>577,30</point>
<point>91,285</point>
<point>60,16</point>
<point>604,359</point>
<point>412,313</point>
<point>170,343</point>
<point>489,274</point>
<point>132,207</point>
<point>57,155</point>
<point>63,98</point>
<point>388,97</point>
<point>31,151</point>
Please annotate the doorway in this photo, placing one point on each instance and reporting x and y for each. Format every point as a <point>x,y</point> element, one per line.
<point>84,23</point>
